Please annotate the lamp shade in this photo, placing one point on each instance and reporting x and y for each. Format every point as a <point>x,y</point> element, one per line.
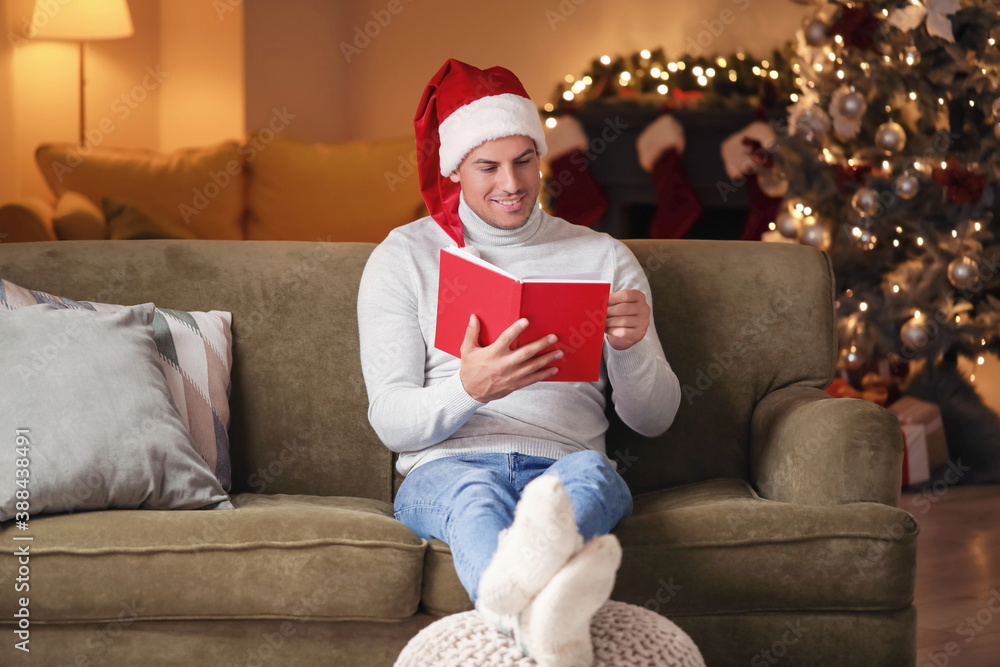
<point>81,20</point>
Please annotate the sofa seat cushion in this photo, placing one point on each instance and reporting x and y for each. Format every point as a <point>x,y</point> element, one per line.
<point>716,547</point>
<point>274,556</point>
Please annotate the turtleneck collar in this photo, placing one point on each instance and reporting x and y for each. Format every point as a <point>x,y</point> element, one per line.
<point>479,232</point>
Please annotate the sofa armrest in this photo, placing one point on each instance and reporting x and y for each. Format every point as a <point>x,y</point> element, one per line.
<point>810,448</point>
<point>28,219</point>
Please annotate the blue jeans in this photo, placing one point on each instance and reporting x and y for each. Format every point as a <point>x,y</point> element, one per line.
<point>465,501</point>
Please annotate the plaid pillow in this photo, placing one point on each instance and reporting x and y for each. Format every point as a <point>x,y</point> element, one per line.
<point>196,356</point>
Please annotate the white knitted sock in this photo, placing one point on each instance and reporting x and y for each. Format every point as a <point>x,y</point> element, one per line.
<point>541,539</point>
<point>508,625</point>
<point>555,627</point>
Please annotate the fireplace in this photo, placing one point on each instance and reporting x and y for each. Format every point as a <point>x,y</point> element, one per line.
<point>613,130</point>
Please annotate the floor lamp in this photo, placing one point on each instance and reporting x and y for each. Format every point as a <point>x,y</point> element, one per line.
<point>81,21</point>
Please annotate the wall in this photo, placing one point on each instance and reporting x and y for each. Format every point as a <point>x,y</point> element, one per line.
<point>9,181</point>
<point>372,91</point>
<point>292,62</point>
<point>201,49</point>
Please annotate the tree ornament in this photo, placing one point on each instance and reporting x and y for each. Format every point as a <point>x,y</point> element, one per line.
<point>963,272</point>
<point>907,186</point>
<point>907,18</point>
<point>865,202</point>
<point>809,123</point>
<point>788,223</point>
<point>851,104</point>
<point>815,234</point>
<point>910,55</point>
<point>865,240</point>
<point>817,33</point>
<point>847,109</point>
<point>996,110</point>
<point>890,137</point>
<point>772,181</point>
<point>938,23</point>
<point>913,333</point>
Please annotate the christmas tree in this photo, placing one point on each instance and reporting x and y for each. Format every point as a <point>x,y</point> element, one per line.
<point>892,162</point>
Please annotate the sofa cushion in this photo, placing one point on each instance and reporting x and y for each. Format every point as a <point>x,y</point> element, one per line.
<point>280,556</point>
<point>442,592</point>
<point>26,220</point>
<point>76,218</point>
<point>716,547</point>
<point>94,422</point>
<point>199,188</point>
<point>126,223</point>
<point>195,353</point>
<point>355,191</point>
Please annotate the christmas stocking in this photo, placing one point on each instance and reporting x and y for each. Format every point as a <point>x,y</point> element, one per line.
<point>677,205</point>
<point>578,196</point>
<point>745,154</point>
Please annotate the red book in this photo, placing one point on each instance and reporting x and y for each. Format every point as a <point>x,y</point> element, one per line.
<point>573,307</point>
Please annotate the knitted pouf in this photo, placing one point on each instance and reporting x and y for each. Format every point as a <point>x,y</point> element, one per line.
<point>623,635</point>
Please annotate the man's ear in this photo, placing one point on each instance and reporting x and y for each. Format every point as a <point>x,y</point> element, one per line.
<point>454,177</point>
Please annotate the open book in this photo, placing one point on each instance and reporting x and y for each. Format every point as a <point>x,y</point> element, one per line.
<point>574,307</point>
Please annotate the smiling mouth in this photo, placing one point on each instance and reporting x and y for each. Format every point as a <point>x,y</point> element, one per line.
<point>509,203</point>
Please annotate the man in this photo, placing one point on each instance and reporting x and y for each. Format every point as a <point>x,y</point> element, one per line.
<point>507,468</point>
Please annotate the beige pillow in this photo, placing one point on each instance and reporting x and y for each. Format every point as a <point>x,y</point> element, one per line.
<point>200,188</point>
<point>77,219</point>
<point>356,191</point>
<point>90,418</point>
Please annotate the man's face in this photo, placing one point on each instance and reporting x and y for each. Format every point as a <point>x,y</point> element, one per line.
<point>500,181</point>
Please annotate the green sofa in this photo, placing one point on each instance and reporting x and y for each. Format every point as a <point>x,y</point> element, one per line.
<point>766,521</point>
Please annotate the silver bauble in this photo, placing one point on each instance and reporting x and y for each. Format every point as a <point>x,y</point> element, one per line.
<point>812,123</point>
<point>907,186</point>
<point>853,105</point>
<point>913,333</point>
<point>890,137</point>
<point>788,223</point>
<point>772,181</point>
<point>865,240</point>
<point>865,201</point>
<point>910,55</point>
<point>817,33</point>
<point>963,272</point>
<point>814,234</point>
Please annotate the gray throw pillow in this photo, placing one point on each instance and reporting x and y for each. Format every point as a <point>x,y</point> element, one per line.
<point>85,410</point>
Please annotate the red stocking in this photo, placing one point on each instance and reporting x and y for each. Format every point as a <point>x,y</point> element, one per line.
<point>579,198</point>
<point>677,204</point>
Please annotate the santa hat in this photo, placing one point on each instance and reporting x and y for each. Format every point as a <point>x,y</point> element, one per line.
<point>461,108</point>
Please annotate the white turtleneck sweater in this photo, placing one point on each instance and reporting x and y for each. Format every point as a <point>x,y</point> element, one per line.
<point>417,403</point>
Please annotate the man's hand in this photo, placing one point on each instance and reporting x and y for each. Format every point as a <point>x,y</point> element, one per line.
<point>628,318</point>
<point>492,372</point>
